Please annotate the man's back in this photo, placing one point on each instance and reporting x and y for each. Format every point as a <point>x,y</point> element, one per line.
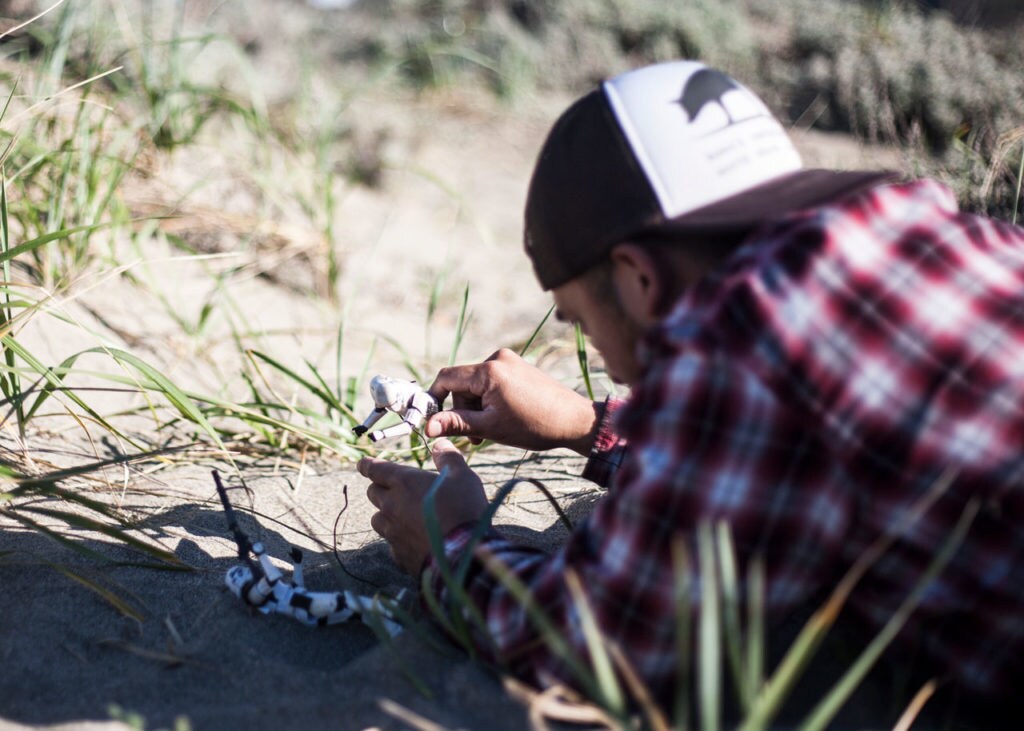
<point>890,329</point>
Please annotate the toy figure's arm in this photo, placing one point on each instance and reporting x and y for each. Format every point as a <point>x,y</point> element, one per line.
<point>376,415</point>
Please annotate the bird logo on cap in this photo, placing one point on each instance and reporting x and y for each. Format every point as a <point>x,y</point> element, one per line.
<point>704,87</point>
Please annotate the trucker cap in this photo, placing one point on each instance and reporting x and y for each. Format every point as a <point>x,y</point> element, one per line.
<point>676,150</point>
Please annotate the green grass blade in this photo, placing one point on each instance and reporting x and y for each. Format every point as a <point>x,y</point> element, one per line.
<point>799,654</point>
<point>536,332</point>
<point>710,634</point>
<point>374,622</point>
<point>681,569</point>
<point>1020,180</point>
<point>466,608</point>
<point>327,389</point>
<point>439,615</point>
<point>13,346</point>
<point>33,244</point>
<point>11,384</point>
<point>454,578</point>
<point>407,360</point>
<point>826,709</point>
<point>324,394</point>
<point>732,629</point>
<point>604,673</point>
<point>581,356</point>
<point>460,327</point>
<point>178,398</point>
<point>785,676</point>
<point>52,380</point>
<point>755,652</point>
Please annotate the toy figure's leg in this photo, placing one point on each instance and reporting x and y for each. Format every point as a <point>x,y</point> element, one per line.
<point>322,604</point>
<point>372,419</point>
<point>414,417</point>
<point>398,430</point>
<point>374,612</point>
<point>342,615</point>
<point>291,602</point>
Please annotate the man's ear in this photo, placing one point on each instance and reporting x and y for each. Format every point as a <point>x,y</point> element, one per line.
<point>640,285</point>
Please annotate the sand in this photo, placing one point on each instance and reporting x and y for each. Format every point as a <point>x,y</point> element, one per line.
<point>192,650</point>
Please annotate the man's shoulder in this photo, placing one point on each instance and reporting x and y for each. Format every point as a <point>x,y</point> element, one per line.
<point>801,277</point>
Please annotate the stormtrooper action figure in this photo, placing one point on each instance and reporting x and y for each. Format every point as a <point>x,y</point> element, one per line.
<point>260,584</point>
<point>404,398</point>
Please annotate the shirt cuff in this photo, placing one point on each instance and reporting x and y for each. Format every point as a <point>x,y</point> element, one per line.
<point>609,448</point>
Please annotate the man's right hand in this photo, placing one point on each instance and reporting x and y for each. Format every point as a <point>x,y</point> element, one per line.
<point>507,400</point>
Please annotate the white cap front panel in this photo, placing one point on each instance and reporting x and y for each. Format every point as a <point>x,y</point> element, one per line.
<point>699,135</point>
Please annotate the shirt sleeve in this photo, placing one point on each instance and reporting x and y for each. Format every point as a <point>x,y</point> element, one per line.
<point>609,448</point>
<point>713,444</point>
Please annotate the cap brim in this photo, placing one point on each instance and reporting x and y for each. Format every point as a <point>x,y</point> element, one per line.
<point>769,201</point>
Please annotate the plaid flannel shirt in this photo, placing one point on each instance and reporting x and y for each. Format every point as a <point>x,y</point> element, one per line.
<point>808,394</point>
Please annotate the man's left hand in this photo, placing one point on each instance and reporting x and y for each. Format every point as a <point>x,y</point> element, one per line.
<point>397,491</point>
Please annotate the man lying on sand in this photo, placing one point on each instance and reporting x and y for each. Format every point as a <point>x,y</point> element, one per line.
<point>808,352</point>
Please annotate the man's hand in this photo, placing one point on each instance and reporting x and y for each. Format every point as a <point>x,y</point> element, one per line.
<point>509,401</point>
<point>397,491</point>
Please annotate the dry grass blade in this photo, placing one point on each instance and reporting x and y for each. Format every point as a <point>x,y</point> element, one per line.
<point>88,524</point>
<point>559,704</point>
<point>1006,143</point>
<point>656,719</point>
<point>168,659</point>
<point>922,696</point>
<point>31,20</point>
<point>67,90</point>
<point>106,594</point>
<point>407,715</point>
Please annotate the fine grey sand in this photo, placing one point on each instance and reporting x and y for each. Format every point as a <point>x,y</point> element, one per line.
<point>194,651</point>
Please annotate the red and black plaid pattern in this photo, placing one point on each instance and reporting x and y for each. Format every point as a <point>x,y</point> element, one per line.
<point>807,395</point>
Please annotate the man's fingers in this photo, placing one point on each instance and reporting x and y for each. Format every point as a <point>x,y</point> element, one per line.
<point>456,423</point>
<point>377,522</point>
<point>446,455</point>
<point>466,402</point>
<point>453,379</point>
<point>371,468</point>
<point>374,493</point>
<point>384,473</point>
